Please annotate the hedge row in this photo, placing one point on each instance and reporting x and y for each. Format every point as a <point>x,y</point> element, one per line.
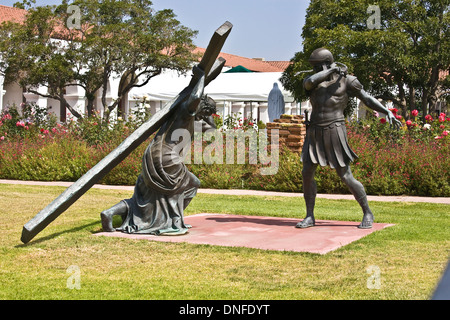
<point>411,161</point>
<point>410,168</point>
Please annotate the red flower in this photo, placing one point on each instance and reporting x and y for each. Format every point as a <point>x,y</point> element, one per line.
<point>408,123</point>
<point>414,113</point>
<point>383,120</point>
<point>394,110</point>
<point>428,117</point>
<point>398,117</point>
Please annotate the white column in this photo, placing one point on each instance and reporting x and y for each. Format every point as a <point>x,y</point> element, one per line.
<point>43,101</point>
<point>226,109</point>
<point>238,107</point>
<point>2,92</point>
<point>294,109</point>
<point>287,108</point>
<point>264,112</point>
<point>255,110</point>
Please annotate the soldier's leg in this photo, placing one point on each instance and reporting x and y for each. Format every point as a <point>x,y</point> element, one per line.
<point>309,193</point>
<point>107,216</point>
<point>357,189</point>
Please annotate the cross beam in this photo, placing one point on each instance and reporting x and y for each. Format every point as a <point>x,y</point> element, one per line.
<point>210,64</point>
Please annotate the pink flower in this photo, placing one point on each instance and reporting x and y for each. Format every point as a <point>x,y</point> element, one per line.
<point>428,117</point>
<point>442,126</point>
<point>2,138</point>
<point>408,123</point>
<point>442,118</point>
<point>445,133</point>
<point>414,113</point>
<point>54,130</point>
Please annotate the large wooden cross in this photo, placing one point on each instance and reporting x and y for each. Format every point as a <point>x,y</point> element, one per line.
<point>210,64</point>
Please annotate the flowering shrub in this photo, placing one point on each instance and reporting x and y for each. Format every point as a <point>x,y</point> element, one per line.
<point>236,122</point>
<point>412,160</point>
<point>379,130</point>
<point>218,121</point>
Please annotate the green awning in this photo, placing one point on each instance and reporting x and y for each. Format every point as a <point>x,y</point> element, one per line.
<point>238,69</point>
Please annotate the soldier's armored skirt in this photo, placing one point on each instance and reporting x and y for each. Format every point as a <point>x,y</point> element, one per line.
<point>327,145</point>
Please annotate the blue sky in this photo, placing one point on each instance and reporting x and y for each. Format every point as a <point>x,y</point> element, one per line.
<point>269,29</point>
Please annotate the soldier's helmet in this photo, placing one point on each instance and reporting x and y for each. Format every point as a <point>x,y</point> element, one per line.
<point>320,56</point>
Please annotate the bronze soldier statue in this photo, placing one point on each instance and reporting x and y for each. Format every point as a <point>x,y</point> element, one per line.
<point>329,89</point>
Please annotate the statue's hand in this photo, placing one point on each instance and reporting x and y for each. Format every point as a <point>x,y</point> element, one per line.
<point>393,121</point>
<point>341,70</point>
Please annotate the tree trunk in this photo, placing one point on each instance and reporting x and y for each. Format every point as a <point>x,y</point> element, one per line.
<point>424,103</point>
<point>402,98</point>
<point>412,99</point>
<point>62,112</point>
<point>90,107</point>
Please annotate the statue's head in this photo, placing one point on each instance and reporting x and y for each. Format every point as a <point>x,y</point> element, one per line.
<point>319,58</point>
<point>207,107</point>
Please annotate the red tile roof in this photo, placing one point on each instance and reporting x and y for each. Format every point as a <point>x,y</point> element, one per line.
<point>251,64</point>
<point>12,14</point>
<point>280,64</point>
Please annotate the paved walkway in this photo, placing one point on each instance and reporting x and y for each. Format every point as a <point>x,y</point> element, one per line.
<point>441,200</point>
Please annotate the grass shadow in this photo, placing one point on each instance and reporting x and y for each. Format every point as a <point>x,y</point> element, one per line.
<point>54,235</point>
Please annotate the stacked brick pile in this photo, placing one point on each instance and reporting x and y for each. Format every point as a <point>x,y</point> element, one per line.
<point>292,131</point>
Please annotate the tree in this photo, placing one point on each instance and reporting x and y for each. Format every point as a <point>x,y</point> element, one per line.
<point>89,42</point>
<point>397,48</point>
<point>31,58</point>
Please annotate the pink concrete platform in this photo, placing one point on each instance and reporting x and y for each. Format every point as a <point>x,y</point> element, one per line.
<point>267,233</point>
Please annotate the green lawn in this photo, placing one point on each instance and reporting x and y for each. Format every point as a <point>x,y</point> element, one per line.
<point>410,255</point>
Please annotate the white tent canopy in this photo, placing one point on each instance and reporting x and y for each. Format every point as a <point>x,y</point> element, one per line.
<point>251,86</point>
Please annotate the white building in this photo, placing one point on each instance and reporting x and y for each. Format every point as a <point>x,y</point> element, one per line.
<point>244,92</point>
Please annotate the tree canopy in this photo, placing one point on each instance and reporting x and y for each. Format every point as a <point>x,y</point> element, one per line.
<point>87,42</point>
<point>398,49</point>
